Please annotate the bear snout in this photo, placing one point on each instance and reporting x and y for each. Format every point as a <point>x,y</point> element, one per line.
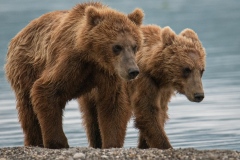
<point>198,97</point>
<point>133,72</point>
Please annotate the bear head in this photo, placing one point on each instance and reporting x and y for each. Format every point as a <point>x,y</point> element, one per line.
<point>112,39</point>
<point>184,62</point>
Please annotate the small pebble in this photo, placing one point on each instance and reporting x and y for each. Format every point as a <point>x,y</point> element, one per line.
<point>60,158</point>
<point>104,156</point>
<point>79,155</point>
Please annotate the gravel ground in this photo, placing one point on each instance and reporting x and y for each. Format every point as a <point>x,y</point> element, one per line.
<point>115,153</point>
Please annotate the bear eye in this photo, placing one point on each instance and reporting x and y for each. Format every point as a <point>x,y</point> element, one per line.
<point>117,49</point>
<point>134,49</point>
<point>186,72</point>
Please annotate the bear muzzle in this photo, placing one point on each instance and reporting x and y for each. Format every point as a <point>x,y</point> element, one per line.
<point>198,97</point>
<point>132,73</point>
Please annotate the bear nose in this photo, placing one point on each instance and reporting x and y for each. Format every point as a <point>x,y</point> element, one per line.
<point>133,73</point>
<point>198,97</point>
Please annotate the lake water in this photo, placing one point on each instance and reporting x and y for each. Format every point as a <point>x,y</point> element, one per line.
<point>212,124</point>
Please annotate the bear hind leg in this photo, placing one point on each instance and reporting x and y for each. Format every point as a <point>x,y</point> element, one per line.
<point>29,123</point>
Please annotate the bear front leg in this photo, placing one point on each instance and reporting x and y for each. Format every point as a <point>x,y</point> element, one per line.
<point>142,143</point>
<point>87,105</point>
<point>151,131</point>
<point>66,78</point>
<point>114,113</point>
<point>149,116</point>
<point>148,121</point>
<point>48,106</point>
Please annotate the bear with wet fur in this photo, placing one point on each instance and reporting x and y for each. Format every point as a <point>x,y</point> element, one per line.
<point>65,54</point>
<point>168,63</point>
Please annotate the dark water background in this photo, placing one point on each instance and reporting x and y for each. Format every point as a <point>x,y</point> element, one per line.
<point>214,123</point>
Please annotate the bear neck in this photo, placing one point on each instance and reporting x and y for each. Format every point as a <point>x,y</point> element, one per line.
<point>161,80</point>
<point>156,69</point>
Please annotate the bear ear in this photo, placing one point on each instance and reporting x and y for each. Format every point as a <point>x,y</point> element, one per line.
<point>93,16</point>
<point>168,36</point>
<point>136,16</point>
<point>189,34</point>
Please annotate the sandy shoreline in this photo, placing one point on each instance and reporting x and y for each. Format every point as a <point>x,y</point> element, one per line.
<point>115,153</point>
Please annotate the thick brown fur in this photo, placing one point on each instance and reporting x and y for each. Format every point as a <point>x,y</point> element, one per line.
<point>65,54</point>
<point>168,63</point>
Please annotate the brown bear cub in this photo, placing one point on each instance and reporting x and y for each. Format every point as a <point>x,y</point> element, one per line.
<point>168,63</point>
<point>63,55</point>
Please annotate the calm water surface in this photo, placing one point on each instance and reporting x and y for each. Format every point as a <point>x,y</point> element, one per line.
<point>214,123</point>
